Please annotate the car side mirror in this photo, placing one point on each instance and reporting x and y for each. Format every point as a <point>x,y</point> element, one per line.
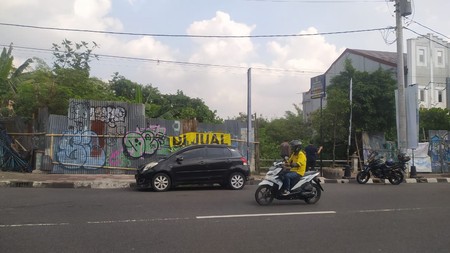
<point>179,158</point>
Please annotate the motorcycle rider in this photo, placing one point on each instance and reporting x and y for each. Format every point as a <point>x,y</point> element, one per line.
<point>297,163</point>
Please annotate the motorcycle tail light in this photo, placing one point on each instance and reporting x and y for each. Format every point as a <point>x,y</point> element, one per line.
<point>244,161</point>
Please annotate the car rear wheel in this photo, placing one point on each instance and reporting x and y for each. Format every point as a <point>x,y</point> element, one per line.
<point>161,182</point>
<point>236,181</point>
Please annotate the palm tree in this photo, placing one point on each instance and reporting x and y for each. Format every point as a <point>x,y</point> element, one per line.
<point>10,76</point>
<point>9,79</point>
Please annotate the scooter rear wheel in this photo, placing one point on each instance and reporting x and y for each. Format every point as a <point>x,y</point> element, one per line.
<point>317,193</point>
<point>362,177</point>
<point>263,195</point>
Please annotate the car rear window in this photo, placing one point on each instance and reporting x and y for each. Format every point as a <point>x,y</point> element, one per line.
<point>235,152</point>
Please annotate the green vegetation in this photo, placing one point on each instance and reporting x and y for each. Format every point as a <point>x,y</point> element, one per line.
<point>69,77</point>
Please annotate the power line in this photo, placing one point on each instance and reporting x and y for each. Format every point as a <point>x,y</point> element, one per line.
<point>424,26</point>
<point>194,36</point>
<point>427,37</point>
<point>196,64</point>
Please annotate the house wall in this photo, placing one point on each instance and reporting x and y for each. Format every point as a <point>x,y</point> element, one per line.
<point>428,67</point>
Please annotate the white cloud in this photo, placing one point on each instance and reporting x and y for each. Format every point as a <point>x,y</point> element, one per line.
<point>223,89</point>
<point>221,50</point>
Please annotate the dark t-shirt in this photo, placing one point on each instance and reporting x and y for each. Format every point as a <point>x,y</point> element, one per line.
<point>311,152</point>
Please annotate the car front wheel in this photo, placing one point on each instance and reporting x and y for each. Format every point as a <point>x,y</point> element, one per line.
<point>236,181</point>
<point>161,182</point>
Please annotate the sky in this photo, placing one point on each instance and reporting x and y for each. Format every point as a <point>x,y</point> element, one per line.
<point>160,43</point>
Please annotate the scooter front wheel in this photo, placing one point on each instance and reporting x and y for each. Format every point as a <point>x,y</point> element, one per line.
<point>263,195</point>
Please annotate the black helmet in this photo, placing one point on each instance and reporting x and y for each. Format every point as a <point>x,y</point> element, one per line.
<point>296,145</point>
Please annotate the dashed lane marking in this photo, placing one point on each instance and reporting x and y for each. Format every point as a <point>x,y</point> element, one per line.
<point>262,215</point>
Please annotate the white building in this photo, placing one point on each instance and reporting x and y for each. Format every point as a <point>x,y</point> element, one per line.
<point>428,67</point>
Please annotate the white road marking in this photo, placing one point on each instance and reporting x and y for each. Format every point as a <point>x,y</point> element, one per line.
<point>388,210</point>
<point>33,225</point>
<point>209,217</point>
<point>137,220</point>
<point>262,215</point>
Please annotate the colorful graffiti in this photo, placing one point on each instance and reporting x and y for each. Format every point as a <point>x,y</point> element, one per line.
<point>199,138</point>
<point>80,149</point>
<point>99,140</point>
<point>108,114</point>
<point>144,142</point>
<point>118,159</point>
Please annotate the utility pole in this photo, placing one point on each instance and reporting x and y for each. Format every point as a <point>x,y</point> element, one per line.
<point>249,112</point>
<point>401,9</point>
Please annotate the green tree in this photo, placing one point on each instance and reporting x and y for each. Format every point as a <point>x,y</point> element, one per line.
<point>433,119</point>
<point>180,106</point>
<point>75,56</point>
<point>332,123</point>
<point>37,90</point>
<point>123,88</point>
<point>71,76</point>
<point>290,127</point>
<point>373,107</point>
<point>10,77</point>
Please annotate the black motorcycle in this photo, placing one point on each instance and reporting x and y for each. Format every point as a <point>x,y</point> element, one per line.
<point>377,167</point>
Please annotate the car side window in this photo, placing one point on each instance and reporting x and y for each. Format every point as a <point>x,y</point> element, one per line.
<point>193,154</point>
<point>218,152</point>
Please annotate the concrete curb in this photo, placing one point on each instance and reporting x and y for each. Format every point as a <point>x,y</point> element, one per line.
<point>121,184</point>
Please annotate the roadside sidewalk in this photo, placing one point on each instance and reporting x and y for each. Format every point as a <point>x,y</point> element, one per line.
<point>111,181</point>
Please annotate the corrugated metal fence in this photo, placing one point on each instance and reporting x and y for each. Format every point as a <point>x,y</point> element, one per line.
<point>101,137</point>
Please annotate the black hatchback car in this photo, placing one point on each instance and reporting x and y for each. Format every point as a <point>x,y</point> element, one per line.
<point>196,164</point>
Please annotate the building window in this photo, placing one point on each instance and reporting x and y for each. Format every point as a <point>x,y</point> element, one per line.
<point>421,56</point>
<point>440,96</point>
<point>422,95</point>
<point>440,58</point>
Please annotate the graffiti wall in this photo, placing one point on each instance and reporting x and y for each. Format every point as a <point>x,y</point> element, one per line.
<point>439,151</point>
<point>102,137</point>
<point>432,156</point>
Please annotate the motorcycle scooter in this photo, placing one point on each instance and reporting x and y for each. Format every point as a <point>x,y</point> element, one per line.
<point>308,188</point>
<point>377,167</point>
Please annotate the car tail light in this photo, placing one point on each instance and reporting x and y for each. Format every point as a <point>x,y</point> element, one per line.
<point>244,161</point>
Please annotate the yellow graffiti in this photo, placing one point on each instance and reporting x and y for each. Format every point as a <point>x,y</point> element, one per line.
<point>199,138</point>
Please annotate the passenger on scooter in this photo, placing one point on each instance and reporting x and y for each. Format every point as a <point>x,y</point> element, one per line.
<point>297,163</point>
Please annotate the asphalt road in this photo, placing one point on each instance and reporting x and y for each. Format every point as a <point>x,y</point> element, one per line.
<point>348,218</point>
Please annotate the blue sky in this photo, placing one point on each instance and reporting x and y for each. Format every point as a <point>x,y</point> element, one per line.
<point>281,66</point>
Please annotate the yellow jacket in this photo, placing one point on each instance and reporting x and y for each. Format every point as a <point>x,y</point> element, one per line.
<point>300,159</point>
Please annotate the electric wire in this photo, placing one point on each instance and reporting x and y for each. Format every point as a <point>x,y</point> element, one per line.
<point>158,61</point>
<point>424,26</point>
<point>427,37</point>
<point>194,36</point>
